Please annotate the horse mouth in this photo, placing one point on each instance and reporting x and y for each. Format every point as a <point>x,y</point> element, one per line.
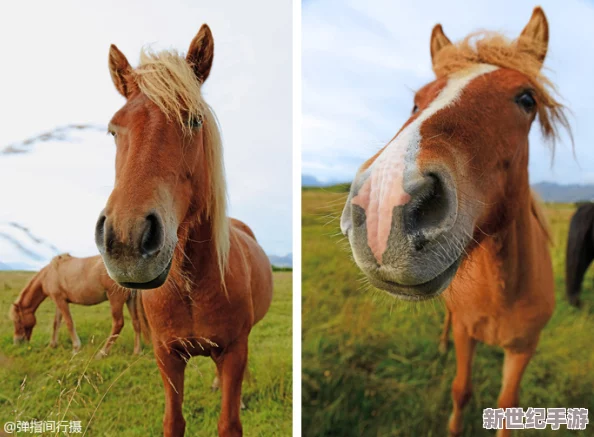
<point>154,283</point>
<point>425,291</point>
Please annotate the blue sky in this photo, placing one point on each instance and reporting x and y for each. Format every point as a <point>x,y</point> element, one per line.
<point>362,62</point>
<point>55,73</point>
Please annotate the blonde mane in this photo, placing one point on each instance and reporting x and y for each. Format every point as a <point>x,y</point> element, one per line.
<point>523,55</point>
<point>169,82</point>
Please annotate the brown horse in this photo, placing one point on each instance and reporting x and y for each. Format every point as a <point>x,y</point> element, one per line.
<point>446,206</point>
<point>82,281</point>
<point>165,227</point>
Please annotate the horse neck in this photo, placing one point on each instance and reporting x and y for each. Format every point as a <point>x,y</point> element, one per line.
<point>195,255</point>
<point>33,294</point>
<point>512,248</point>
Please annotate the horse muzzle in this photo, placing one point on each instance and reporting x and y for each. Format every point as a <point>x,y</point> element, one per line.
<point>408,243</point>
<point>137,253</point>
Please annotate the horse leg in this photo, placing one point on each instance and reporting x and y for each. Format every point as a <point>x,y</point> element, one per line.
<point>462,384</point>
<point>172,367</point>
<point>443,339</point>
<point>216,385</point>
<point>576,266</point>
<point>578,256</point>
<point>231,366</point>
<point>131,303</point>
<point>514,365</point>
<point>56,332</point>
<point>117,323</point>
<point>63,307</point>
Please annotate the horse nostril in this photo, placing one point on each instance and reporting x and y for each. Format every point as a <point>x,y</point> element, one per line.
<point>153,236</point>
<point>100,233</point>
<point>428,208</point>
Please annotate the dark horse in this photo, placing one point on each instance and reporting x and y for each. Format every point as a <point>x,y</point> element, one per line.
<point>580,251</point>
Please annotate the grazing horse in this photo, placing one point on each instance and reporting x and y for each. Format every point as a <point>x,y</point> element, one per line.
<point>82,281</point>
<point>580,251</point>
<point>165,227</point>
<point>446,205</point>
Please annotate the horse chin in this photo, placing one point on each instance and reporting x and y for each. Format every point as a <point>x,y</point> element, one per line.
<point>425,291</point>
<point>154,283</point>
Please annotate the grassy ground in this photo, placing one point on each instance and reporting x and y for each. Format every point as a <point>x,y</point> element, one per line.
<point>371,365</point>
<point>122,395</point>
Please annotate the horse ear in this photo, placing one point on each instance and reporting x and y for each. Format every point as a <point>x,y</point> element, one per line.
<point>537,30</point>
<point>120,70</point>
<point>201,53</point>
<point>438,41</point>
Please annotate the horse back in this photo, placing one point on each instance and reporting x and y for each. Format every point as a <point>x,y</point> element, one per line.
<point>80,280</point>
<point>257,265</point>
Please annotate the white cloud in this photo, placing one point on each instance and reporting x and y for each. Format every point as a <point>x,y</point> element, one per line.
<point>55,73</point>
<point>361,61</point>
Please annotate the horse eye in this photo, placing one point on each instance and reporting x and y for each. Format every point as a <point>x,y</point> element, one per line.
<point>526,101</point>
<point>195,122</point>
<point>415,109</point>
<point>112,133</point>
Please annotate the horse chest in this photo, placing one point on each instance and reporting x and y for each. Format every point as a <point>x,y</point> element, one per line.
<point>510,326</point>
<point>190,327</point>
<point>500,305</point>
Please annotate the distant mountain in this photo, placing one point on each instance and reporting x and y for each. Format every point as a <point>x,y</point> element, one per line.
<point>553,192</point>
<point>275,260</point>
<point>311,181</point>
<point>17,266</point>
<point>548,191</point>
<point>281,261</point>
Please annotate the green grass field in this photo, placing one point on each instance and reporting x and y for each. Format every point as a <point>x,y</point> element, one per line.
<point>122,395</point>
<point>370,362</point>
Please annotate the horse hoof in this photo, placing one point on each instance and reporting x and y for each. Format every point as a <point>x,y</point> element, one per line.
<point>453,433</point>
<point>53,345</point>
<point>243,407</point>
<point>454,429</point>
<point>443,347</point>
<point>101,354</point>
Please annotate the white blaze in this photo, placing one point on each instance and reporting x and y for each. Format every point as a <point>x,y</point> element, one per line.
<point>384,188</point>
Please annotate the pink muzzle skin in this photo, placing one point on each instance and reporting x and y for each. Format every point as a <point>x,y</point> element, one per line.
<point>380,194</point>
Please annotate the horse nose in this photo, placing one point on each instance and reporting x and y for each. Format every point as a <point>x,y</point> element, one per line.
<point>100,232</point>
<point>147,236</point>
<point>430,206</point>
<point>153,237</point>
<point>387,212</point>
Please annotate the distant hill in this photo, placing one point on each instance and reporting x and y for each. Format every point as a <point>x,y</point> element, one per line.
<point>311,181</point>
<point>275,260</point>
<point>548,191</point>
<point>17,266</point>
<point>281,261</point>
<point>552,192</point>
